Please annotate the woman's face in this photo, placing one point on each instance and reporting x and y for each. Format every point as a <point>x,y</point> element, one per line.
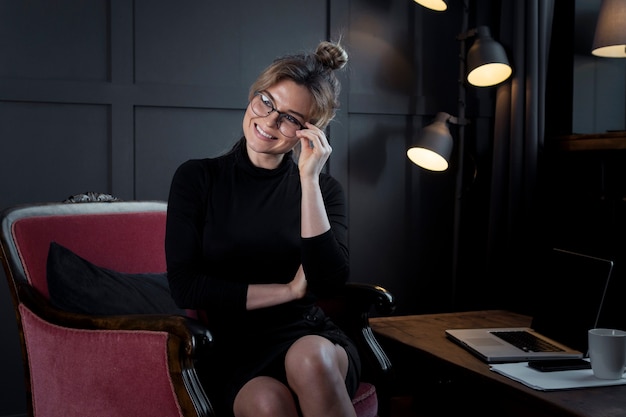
<point>265,142</point>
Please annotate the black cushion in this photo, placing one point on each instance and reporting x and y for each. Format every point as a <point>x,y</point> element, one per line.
<point>78,286</point>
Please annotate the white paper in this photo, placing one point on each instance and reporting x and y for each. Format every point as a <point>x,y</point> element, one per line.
<point>549,381</point>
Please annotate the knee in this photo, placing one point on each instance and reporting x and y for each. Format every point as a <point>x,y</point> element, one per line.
<point>264,398</point>
<point>308,363</point>
<point>272,403</point>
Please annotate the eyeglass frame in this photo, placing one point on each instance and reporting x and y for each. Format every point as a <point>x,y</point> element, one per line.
<point>273,109</point>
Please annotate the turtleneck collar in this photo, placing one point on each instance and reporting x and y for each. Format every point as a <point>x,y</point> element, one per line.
<point>244,162</point>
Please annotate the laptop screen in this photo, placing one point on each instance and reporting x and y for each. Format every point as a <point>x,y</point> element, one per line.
<point>570,294</point>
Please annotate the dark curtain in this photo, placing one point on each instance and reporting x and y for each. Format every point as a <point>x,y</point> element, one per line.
<point>514,238</point>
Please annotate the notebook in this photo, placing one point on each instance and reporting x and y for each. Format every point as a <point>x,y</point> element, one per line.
<point>568,304</point>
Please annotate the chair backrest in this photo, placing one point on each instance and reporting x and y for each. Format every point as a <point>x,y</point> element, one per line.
<point>125,236</point>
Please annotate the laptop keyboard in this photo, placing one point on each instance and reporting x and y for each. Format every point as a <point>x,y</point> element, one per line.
<point>526,341</point>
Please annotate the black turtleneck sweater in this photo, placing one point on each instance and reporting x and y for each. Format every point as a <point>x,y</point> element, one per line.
<point>231,224</point>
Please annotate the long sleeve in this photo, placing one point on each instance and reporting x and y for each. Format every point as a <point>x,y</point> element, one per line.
<point>325,258</point>
<point>190,284</point>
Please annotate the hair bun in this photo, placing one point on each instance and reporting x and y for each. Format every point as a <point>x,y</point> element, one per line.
<point>331,55</point>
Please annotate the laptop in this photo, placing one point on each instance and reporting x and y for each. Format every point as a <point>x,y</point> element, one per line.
<point>568,304</point>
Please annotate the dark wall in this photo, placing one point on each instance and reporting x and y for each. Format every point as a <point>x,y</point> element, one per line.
<point>111,96</point>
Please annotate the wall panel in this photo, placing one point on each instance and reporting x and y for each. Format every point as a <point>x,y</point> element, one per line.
<point>56,150</point>
<point>216,46</point>
<point>599,98</point>
<point>166,137</point>
<point>38,40</point>
<point>378,212</point>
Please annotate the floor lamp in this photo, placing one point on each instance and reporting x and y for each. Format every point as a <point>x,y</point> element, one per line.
<point>610,36</point>
<point>485,64</point>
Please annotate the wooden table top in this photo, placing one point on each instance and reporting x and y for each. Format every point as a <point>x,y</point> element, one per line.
<point>426,333</point>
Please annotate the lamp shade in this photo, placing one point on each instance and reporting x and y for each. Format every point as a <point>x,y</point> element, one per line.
<point>437,5</point>
<point>610,37</point>
<point>433,146</point>
<point>487,63</point>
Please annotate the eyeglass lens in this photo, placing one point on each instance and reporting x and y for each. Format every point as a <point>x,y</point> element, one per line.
<point>262,106</point>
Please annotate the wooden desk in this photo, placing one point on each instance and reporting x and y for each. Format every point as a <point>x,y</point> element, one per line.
<point>467,377</point>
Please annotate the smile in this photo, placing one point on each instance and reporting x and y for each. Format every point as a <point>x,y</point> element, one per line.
<point>263,133</point>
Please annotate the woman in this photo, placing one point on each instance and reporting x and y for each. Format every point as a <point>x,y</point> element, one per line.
<point>252,238</point>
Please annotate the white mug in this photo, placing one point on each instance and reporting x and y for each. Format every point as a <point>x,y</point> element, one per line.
<point>607,351</point>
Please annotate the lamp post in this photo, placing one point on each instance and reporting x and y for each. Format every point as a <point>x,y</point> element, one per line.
<point>488,65</point>
<point>456,238</point>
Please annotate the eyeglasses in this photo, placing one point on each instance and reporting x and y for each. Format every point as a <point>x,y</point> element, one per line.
<point>262,106</point>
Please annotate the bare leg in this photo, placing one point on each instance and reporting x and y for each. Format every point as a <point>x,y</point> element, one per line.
<point>316,370</point>
<point>264,396</point>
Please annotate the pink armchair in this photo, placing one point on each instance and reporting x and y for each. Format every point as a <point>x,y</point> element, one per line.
<point>137,358</point>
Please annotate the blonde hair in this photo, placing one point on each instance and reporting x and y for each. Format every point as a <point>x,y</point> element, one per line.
<point>313,71</point>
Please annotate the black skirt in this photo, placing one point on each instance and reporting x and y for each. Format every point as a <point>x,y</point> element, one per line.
<point>232,365</point>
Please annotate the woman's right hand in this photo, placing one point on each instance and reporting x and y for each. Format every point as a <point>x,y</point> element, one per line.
<point>298,284</point>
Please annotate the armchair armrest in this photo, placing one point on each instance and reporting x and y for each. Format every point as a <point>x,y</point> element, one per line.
<point>368,296</point>
<point>351,311</point>
<point>120,350</point>
<point>196,336</point>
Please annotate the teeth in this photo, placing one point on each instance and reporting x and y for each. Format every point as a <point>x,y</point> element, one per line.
<point>258,129</point>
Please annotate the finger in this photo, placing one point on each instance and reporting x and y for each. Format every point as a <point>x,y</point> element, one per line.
<point>312,129</point>
<point>314,139</point>
<point>306,142</point>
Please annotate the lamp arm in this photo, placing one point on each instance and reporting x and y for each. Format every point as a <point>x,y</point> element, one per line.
<point>467,34</point>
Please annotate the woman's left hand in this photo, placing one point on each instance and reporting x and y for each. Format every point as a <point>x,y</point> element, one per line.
<point>314,151</point>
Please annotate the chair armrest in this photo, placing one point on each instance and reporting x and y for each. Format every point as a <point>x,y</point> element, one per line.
<point>368,296</point>
<point>351,311</point>
<point>120,341</point>
<point>197,338</point>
